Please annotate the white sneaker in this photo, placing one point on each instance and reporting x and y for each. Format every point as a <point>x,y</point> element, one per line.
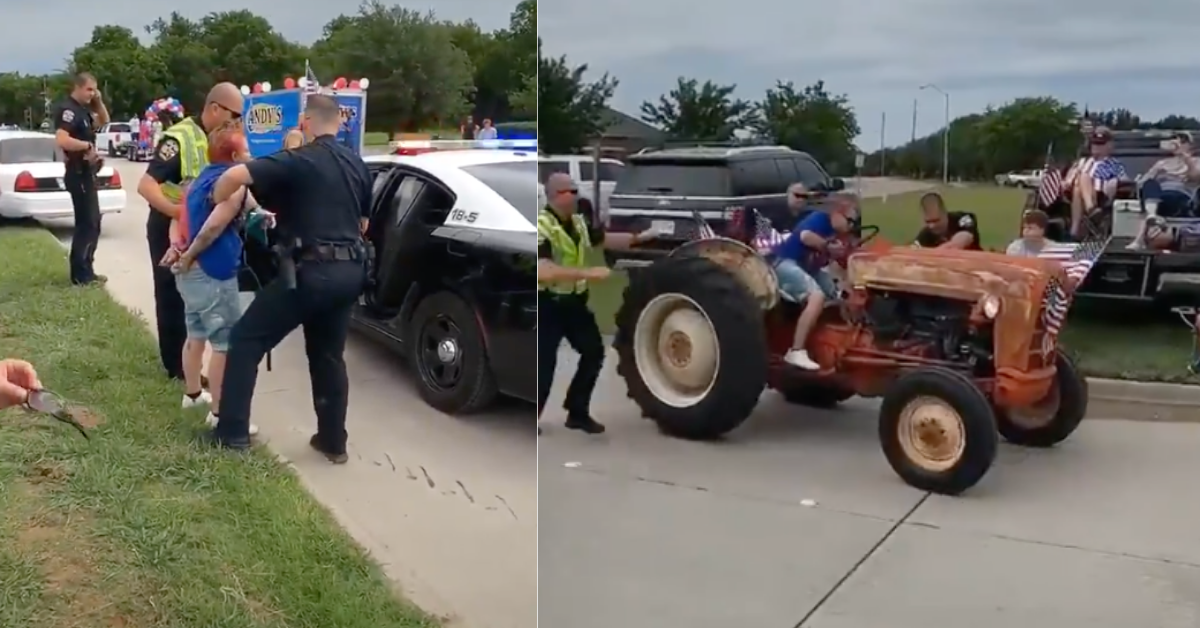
<point>211,420</point>
<point>203,399</point>
<point>800,359</point>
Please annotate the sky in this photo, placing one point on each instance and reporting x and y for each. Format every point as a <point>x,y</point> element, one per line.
<point>37,36</point>
<point>1100,53</point>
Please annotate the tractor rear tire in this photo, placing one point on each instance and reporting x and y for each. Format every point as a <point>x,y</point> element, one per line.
<point>692,347</point>
<point>938,430</point>
<point>1072,390</point>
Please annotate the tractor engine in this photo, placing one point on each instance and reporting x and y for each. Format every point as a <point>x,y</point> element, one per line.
<point>932,327</point>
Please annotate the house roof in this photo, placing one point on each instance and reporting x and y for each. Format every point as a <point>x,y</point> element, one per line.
<point>620,124</point>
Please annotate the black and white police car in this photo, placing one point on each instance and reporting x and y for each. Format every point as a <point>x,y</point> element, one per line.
<point>452,286</point>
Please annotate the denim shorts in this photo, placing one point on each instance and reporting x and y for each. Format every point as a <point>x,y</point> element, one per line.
<point>211,307</point>
<point>799,283</point>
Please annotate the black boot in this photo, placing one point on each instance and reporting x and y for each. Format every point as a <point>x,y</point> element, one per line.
<point>585,423</point>
<point>330,455</point>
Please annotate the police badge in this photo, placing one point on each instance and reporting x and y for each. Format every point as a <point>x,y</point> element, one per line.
<point>168,150</point>
<point>68,116</point>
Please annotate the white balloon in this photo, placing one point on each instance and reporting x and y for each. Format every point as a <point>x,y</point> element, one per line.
<point>303,82</point>
<point>245,90</point>
<point>266,87</point>
<point>364,83</point>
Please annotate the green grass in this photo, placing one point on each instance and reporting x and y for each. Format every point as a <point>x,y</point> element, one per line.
<point>142,525</point>
<point>1157,348</point>
<point>379,138</point>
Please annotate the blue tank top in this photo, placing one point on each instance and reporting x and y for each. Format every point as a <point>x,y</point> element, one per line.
<point>223,257</point>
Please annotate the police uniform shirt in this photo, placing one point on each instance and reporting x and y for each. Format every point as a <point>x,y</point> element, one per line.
<point>959,221</point>
<point>77,121</point>
<point>320,190</point>
<point>166,166</point>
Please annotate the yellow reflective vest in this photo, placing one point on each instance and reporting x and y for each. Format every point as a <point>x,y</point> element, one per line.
<point>568,252</point>
<point>193,156</point>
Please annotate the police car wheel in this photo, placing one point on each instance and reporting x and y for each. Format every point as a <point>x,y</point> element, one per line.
<point>449,355</point>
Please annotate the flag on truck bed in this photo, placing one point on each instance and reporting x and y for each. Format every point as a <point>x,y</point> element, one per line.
<point>1077,259</point>
<point>766,237</point>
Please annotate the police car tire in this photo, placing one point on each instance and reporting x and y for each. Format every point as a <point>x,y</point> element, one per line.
<point>1072,408</point>
<point>741,339</point>
<point>476,387</point>
<point>974,409</point>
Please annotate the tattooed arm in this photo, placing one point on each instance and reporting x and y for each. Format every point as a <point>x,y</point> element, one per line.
<point>217,222</point>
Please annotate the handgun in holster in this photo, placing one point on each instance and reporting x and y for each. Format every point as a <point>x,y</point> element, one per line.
<point>285,252</point>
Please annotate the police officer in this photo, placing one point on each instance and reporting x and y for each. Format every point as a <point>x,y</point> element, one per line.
<point>322,194</point>
<point>565,239</point>
<point>76,119</point>
<point>178,158</point>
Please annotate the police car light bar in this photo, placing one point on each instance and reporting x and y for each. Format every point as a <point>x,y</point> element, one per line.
<point>412,147</point>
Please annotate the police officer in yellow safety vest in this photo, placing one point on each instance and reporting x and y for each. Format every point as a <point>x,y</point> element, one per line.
<point>565,240</point>
<point>179,157</point>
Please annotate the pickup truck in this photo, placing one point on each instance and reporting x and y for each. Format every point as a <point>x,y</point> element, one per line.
<point>112,138</point>
<point>1027,179</point>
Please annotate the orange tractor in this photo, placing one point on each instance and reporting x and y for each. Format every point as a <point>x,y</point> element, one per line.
<point>953,342</point>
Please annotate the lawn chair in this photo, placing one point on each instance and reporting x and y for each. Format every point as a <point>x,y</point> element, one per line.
<point>1188,315</point>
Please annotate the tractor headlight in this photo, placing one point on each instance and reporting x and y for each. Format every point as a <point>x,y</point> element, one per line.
<point>990,305</point>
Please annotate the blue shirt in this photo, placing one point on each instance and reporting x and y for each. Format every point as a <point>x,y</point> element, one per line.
<point>223,257</point>
<point>793,247</point>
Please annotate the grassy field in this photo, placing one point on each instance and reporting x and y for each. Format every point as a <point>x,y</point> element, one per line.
<point>143,526</point>
<point>377,138</point>
<point>1159,348</point>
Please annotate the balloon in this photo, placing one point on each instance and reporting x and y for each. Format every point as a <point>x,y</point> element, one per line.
<point>257,89</point>
<point>266,87</point>
<point>289,83</point>
<point>303,82</point>
<point>364,83</point>
<point>245,90</point>
<point>340,83</point>
<point>353,84</point>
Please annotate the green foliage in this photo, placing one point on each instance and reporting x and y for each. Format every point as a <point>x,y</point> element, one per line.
<point>570,110</point>
<point>811,120</point>
<point>424,72</point>
<point>699,111</point>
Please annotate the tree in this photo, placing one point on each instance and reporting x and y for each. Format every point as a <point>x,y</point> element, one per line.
<point>570,110</point>
<point>811,120</point>
<point>418,76</point>
<point>525,101</point>
<point>186,61</point>
<point>246,49</point>
<point>700,111</point>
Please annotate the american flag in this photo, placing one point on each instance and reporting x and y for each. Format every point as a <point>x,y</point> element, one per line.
<point>703,231</point>
<point>312,85</point>
<point>1051,187</point>
<point>1104,173</point>
<point>1077,260</point>
<point>765,237</point>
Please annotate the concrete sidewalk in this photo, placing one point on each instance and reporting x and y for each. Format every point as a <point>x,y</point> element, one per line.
<point>448,506</point>
<point>797,520</point>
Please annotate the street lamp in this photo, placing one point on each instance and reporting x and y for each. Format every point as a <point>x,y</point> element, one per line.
<point>945,133</point>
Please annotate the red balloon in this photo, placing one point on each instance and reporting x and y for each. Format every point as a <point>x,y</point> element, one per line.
<point>289,82</point>
<point>340,83</point>
<point>354,84</point>
<point>257,89</point>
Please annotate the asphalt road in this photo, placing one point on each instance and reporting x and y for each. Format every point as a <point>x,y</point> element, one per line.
<point>448,506</point>
<point>797,520</point>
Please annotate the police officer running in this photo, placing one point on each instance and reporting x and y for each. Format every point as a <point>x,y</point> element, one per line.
<point>565,240</point>
<point>178,158</point>
<point>322,193</point>
<point>76,119</point>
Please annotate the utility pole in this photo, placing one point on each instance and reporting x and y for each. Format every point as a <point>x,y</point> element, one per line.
<point>883,144</point>
<point>945,133</point>
<point>914,124</point>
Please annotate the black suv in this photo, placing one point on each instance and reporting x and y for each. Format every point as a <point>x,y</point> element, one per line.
<point>670,186</point>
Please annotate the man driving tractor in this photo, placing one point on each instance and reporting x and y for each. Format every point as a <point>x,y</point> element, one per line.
<point>946,229</point>
<point>800,261</point>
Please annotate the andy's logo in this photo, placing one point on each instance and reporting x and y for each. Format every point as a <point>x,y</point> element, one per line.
<point>264,118</point>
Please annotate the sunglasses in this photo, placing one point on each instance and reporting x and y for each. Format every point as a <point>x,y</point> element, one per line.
<point>236,115</point>
<point>799,195</point>
<point>570,192</point>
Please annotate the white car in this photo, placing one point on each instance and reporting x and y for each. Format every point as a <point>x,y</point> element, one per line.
<point>31,179</point>
<point>582,169</point>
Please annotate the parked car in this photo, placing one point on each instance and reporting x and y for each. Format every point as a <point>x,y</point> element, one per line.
<point>452,286</point>
<point>583,170</point>
<point>113,138</point>
<point>1027,179</point>
<point>669,188</point>
<point>31,179</point>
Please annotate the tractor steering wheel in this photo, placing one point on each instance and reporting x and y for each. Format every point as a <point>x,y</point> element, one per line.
<point>864,239</point>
